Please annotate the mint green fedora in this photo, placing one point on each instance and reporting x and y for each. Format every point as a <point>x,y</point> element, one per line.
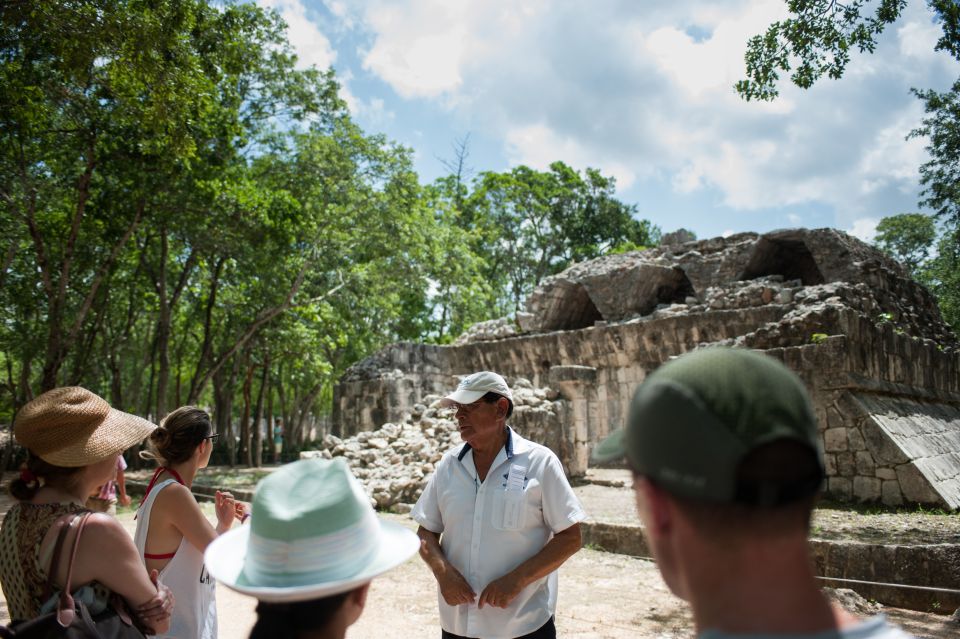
<point>312,534</point>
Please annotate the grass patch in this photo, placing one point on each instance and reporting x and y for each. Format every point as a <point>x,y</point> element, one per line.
<point>881,509</point>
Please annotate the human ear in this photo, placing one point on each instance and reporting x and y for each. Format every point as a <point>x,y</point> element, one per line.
<point>356,602</point>
<point>653,506</point>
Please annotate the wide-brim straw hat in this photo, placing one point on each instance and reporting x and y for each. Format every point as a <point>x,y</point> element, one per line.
<point>312,534</point>
<point>72,427</point>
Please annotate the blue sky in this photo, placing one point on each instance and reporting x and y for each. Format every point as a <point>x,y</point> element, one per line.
<point>641,90</point>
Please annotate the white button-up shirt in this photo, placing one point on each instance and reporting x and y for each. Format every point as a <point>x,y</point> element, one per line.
<point>489,528</point>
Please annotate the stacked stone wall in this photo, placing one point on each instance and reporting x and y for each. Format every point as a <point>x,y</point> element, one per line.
<point>867,341</point>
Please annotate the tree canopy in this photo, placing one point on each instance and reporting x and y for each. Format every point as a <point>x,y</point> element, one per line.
<point>188,217</point>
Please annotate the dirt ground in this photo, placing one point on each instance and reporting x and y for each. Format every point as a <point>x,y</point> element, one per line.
<point>602,596</point>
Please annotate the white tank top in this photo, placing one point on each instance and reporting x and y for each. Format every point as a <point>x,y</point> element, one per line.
<point>195,612</point>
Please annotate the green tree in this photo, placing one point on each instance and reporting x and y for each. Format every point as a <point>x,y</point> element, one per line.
<point>907,237</point>
<point>910,238</point>
<point>820,36</point>
<point>530,224</point>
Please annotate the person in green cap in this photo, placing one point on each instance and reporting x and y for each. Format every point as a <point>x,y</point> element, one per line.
<point>727,465</point>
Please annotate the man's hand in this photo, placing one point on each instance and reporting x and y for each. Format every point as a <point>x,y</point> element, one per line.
<point>455,589</point>
<point>500,592</point>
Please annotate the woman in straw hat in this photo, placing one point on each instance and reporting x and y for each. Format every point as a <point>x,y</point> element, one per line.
<point>172,531</point>
<point>73,439</point>
<point>312,547</point>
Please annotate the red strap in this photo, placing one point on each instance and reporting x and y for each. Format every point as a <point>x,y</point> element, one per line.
<point>153,480</point>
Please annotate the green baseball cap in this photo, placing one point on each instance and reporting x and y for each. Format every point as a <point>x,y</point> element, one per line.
<point>694,420</point>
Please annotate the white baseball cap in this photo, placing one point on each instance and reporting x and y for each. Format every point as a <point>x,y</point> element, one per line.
<point>473,387</point>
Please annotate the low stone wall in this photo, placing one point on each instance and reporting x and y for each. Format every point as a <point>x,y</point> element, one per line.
<point>889,567</point>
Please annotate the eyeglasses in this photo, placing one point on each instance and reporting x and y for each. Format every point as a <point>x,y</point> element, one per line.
<point>212,437</point>
<point>466,409</point>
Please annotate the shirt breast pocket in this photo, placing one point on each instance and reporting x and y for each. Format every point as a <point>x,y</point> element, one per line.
<point>509,510</point>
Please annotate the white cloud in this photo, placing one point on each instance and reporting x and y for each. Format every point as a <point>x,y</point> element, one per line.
<point>372,112</point>
<point>643,91</point>
<point>864,228</point>
<point>538,146</point>
<point>311,45</point>
<point>418,47</point>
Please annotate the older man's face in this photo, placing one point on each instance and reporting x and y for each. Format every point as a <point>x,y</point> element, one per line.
<point>481,423</point>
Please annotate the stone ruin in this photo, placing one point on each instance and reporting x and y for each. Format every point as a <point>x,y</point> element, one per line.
<point>881,365</point>
<point>395,460</point>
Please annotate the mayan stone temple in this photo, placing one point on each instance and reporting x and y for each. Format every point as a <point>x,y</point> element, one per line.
<point>882,366</point>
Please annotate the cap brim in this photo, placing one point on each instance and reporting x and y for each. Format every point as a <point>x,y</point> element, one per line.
<point>118,432</point>
<point>225,557</point>
<point>611,448</point>
<point>461,397</point>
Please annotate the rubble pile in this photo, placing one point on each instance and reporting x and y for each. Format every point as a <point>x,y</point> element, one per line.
<point>394,461</point>
<point>488,330</point>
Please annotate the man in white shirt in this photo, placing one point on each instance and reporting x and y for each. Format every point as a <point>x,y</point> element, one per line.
<point>725,452</point>
<point>497,519</point>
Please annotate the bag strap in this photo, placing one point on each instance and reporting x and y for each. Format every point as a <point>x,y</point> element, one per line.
<point>63,525</point>
<point>66,609</point>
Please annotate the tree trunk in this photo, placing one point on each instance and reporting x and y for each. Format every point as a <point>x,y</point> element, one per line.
<point>223,408</point>
<point>258,416</point>
<point>270,417</point>
<point>245,452</point>
<point>195,386</point>
<point>163,327</point>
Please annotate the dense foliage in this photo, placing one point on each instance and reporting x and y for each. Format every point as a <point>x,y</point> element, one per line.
<point>186,217</point>
<point>817,40</point>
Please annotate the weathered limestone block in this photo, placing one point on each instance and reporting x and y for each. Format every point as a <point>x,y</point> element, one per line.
<point>884,450</point>
<point>846,465</point>
<point>855,439</point>
<point>835,440</point>
<point>561,304</point>
<point>886,473</point>
<point>830,464</point>
<point>914,486</point>
<point>891,493</point>
<point>865,465</point>
<point>841,487</point>
<point>866,488</point>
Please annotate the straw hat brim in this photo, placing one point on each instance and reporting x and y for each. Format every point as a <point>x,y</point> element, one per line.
<point>116,433</point>
<point>225,558</point>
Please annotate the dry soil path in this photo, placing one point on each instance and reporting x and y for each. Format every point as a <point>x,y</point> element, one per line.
<point>602,596</point>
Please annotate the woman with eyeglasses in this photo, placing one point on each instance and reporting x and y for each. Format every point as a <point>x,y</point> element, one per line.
<point>172,531</point>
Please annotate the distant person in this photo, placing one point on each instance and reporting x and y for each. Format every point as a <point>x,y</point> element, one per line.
<point>724,449</point>
<point>106,497</point>
<point>73,439</point>
<point>172,532</point>
<point>277,440</point>
<point>497,519</point>
<point>312,547</point>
